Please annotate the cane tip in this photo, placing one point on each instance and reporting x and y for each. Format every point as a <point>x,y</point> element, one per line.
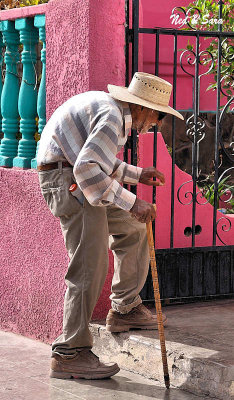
<point>167,381</point>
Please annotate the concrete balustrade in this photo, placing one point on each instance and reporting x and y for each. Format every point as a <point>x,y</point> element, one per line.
<point>27,102</point>
<point>1,59</point>
<point>20,102</point>
<point>39,22</point>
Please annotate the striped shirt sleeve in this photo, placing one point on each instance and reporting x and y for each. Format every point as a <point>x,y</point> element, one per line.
<point>96,162</point>
<point>126,173</point>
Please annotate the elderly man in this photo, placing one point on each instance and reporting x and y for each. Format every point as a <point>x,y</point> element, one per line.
<point>79,145</point>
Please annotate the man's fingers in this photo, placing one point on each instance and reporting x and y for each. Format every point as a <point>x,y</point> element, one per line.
<point>144,212</point>
<point>145,220</point>
<point>160,176</point>
<point>154,183</point>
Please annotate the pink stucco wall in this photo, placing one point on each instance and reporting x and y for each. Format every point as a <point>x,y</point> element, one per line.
<point>84,51</point>
<point>157,14</point>
<point>182,212</point>
<point>33,255</point>
<point>33,260</point>
<point>87,52</point>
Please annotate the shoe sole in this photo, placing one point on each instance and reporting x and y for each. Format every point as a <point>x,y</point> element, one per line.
<point>87,375</point>
<point>126,328</point>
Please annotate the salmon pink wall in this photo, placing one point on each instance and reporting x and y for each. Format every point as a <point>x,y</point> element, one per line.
<point>157,14</point>
<point>32,252</point>
<point>84,48</point>
<point>182,213</point>
<point>84,51</point>
<point>33,260</point>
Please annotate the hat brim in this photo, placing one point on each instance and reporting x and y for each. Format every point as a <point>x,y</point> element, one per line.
<point>122,93</point>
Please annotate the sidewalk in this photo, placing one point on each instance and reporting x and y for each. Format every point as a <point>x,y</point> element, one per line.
<point>199,343</point>
<point>200,352</point>
<point>24,366</point>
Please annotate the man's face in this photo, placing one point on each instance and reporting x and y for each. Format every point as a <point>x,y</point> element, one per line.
<point>143,118</point>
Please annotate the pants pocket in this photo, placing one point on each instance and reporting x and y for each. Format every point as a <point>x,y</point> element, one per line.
<point>55,190</point>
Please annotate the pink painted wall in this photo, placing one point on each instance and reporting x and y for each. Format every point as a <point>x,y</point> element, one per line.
<point>157,14</point>
<point>33,255</point>
<point>33,260</point>
<point>87,52</point>
<point>182,213</point>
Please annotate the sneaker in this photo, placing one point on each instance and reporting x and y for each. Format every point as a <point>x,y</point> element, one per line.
<point>138,318</point>
<point>85,364</point>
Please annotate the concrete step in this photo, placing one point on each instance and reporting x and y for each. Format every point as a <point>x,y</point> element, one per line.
<point>24,375</point>
<point>200,349</point>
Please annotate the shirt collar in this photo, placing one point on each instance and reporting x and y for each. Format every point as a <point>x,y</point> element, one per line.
<point>127,116</point>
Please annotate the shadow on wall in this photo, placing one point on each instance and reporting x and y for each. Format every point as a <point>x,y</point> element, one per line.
<point>183,145</point>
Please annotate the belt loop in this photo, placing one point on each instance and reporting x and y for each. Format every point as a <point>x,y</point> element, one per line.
<point>60,167</point>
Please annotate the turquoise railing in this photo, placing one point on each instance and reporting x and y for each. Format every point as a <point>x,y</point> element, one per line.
<point>39,22</point>
<point>1,46</point>
<point>21,105</point>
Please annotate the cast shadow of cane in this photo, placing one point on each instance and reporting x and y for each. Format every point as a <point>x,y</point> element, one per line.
<point>126,388</point>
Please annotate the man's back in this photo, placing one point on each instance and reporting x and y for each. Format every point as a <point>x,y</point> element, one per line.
<point>88,130</point>
<point>69,126</point>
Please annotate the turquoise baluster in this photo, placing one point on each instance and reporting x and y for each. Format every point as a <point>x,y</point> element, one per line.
<point>39,22</point>
<point>27,103</point>
<point>1,46</point>
<point>10,93</point>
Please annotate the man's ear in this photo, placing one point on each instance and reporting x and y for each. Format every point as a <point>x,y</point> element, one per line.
<point>159,123</point>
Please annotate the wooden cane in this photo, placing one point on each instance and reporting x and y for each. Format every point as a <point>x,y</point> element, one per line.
<point>158,303</point>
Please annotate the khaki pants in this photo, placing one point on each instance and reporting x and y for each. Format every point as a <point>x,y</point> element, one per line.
<point>87,230</point>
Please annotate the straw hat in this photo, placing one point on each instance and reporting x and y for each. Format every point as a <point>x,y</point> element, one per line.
<point>146,90</point>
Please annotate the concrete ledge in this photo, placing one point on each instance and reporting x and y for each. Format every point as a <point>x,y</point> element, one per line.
<point>200,368</point>
<point>22,12</point>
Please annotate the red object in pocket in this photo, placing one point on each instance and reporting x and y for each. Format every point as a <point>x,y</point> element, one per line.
<point>73,187</point>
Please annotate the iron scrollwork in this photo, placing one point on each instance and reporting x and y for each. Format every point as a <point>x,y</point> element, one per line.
<point>224,227</point>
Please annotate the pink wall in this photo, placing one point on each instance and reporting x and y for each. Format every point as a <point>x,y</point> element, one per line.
<point>182,213</point>
<point>157,14</point>
<point>33,255</point>
<point>32,252</point>
<point>87,52</point>
<point>33,260</point>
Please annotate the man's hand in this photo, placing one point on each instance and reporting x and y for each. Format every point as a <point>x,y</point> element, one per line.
<point>148,173</point>
<point>144,212</point>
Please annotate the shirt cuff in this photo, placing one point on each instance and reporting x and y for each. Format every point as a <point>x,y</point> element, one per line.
<point>132,174</point>
<point>125,199</point>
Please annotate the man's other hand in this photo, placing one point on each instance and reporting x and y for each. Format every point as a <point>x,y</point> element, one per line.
<point>148,174</point>
<point>144,212</point>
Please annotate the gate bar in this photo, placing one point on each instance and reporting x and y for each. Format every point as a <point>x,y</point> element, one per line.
<point>217,129</point>
<point>195,142</point>
<point>168,31</point>
<point>173,145</point>
<point>135,27</point>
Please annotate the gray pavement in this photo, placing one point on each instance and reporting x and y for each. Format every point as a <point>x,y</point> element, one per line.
<point>199,343</point>
<point>24,367</point>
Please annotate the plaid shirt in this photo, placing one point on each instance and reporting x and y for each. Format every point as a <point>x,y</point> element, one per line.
<point>88,131</point>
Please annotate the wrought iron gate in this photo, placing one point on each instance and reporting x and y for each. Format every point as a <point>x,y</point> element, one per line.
<point>188,274</point>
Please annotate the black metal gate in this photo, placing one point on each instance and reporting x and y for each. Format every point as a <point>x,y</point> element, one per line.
<point>189,274</point>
